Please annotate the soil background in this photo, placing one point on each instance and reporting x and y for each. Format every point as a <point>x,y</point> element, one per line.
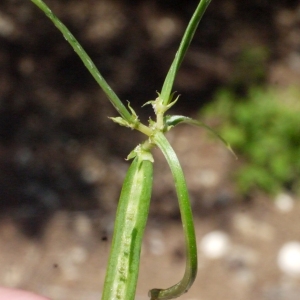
<point>62,160</point>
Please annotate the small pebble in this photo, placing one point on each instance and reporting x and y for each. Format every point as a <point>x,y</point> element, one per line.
<point>288,259</point>
<point>215,244</point>
<point>284,202</point>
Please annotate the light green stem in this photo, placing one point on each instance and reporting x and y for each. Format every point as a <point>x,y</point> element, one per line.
<point>187,221</point>
<point>114,99</point>
<point>185,42</point>
<point>123,265</point>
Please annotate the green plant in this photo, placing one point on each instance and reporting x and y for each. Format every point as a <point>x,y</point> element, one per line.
<point>250,68</point>
<point>129,228</point>
<point>264,127</point>
<point>123,267</point>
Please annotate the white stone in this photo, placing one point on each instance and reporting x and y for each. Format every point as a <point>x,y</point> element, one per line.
<point>284,202</point>
<point>288,258</point>
<point>215,244</point>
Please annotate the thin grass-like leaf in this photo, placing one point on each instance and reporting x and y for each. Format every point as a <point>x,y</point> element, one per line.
<point>185,42</point>
<point>172,121</point>
<point>114,99</point>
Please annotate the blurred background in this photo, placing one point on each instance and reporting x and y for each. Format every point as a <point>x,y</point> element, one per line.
<point>62,160</point>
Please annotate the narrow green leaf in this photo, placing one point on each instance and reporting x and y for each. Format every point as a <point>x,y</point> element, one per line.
<point>185,42</point>
<point>187,221</point>
<point>171,121</point>
<point>114,99</point>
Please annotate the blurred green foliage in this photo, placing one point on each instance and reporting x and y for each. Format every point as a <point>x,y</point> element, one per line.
<point>250,68</point>
<point>263,127</point>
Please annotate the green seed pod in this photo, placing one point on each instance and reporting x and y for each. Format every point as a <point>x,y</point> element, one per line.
<point>123,265</point>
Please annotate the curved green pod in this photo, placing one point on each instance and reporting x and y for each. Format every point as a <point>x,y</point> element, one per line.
<point>123,265</point>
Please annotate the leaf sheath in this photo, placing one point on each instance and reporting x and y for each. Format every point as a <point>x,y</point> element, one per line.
<point>133,207</point>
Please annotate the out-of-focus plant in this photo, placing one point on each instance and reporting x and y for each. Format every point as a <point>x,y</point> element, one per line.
<point>250,68</point>
<point>264,128</point>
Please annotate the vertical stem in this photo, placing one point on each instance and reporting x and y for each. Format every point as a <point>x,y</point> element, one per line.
<point>187,221</point>
<point>123,265</point>
<point>185,43</point>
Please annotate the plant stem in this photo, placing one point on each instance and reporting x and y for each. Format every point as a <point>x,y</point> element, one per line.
<point>123,265</point>
<point>187,221</point>
<point>185,42</point>
<point>114,99</point>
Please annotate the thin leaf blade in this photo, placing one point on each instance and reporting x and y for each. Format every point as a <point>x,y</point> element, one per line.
<point>172,121</point>
<point>185,42</point>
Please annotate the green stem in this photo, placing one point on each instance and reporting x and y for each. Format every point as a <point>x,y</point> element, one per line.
<point>185,42</point>
<point>187,220</point>
<point>123,265</point>
<point>114,99</point>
